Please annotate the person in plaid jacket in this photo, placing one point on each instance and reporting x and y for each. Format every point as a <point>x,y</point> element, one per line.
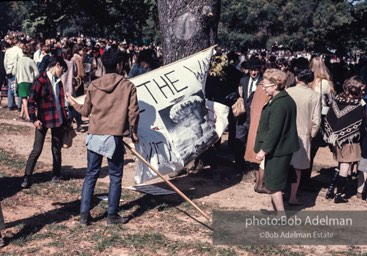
<point>47,111</point>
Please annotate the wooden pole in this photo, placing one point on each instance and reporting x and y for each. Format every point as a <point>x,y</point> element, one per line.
<point>167,181</point>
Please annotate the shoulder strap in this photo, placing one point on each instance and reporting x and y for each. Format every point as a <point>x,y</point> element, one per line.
<point>321,93</point>
<point>240,90</point>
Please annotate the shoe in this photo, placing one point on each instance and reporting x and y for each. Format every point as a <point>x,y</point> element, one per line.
<point>84,218</point>
<point>354,176</point>
<point>2,242</point>
<point>339,199</point>
<point>329,195</point>
<point>255,188</point>
<point>55,179</point>
<point>80,129</point>
<point>26,182</point>
<point>268,212</point>
<point>116,219</point>
<point>295,204</point>
<point>262,190</point>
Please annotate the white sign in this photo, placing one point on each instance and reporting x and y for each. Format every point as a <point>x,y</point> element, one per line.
<point>176,123</point>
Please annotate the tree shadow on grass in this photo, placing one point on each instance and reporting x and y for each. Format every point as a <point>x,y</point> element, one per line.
<point>10,185</point>
<point>34,224</point>
<point>64,212</point>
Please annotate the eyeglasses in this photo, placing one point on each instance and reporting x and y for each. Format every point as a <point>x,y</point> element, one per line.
<point>267,86</point>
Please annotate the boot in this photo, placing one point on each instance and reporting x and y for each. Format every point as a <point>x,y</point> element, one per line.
<point>340,187</point>
<point>26,181</point>
<point>85,218</point>
<point>339,199</point>
<point>330,190</point>
<point>2,242</point>
<point>116,219</point>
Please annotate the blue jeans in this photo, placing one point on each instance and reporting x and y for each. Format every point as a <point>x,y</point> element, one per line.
<point>11,94</point>
<point>115,170</point>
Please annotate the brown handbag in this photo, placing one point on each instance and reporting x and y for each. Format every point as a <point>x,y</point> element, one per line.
<point>238,108</point>
<point>69,135</point>
<point>77,82</point>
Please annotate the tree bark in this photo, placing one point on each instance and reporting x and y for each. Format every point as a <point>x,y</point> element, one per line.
<point>187,26</point>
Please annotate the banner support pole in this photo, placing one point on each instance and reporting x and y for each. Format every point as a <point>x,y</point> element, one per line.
<point>166,181</point>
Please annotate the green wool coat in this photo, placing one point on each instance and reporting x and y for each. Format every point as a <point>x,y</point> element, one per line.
<point>277,131</point>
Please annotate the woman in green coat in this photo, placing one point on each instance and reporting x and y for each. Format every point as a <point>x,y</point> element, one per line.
<point>277,137</point>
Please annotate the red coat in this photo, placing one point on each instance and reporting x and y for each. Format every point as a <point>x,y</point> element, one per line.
<point>258,102</point>
<point>41,104</point>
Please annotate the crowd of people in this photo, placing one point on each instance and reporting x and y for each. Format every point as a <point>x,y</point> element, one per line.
<point>295,103</point>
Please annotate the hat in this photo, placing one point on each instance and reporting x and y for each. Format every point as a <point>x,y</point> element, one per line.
<point>253,63</point>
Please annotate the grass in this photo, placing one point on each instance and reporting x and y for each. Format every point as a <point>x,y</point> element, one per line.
<point>108,242</point>
<point>349,252</point>
<point>13,161</point>
<point>14,129</point>
<point>155,243</point>
<point>269,250</point>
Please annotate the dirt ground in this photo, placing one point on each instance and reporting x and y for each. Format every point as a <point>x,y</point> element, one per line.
<point>44,218</point>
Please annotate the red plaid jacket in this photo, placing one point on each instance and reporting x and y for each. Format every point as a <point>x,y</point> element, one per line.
<point>41,104</point>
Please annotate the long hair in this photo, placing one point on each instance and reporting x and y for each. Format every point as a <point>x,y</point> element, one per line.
<point>321,72</point>
<point>354,87</point>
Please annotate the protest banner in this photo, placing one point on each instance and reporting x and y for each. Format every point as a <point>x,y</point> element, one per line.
<point>176,123</point>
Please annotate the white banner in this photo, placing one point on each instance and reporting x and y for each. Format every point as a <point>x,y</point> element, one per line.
<point>176,123</point>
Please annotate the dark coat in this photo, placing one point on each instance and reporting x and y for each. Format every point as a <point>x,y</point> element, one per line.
<point>277,131</point>
<point>2,68</point>
<point>223,89</point>
<point>243,122</point>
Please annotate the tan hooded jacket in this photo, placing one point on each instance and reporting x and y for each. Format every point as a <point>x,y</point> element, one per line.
<point>112,105</point>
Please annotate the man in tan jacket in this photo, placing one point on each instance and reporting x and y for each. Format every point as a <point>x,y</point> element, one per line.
<point>112,106</point>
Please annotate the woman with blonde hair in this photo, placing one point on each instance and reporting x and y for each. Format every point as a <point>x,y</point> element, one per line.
<point>323,85</point>
<point>322,82</point>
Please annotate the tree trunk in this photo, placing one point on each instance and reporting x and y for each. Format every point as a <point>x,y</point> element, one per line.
<point>187,26</point>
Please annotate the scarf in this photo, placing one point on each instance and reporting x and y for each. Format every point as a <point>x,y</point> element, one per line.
<point>343,121</point>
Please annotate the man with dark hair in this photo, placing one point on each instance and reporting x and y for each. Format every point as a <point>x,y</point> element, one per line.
<point>46,109</point>
<point>97,69</point>
<point>112,106</point>
<point>145,63</point>
<point>248,85</point>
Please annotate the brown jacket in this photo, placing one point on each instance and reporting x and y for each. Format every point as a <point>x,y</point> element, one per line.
<point>258,102</point>
<point>112,105</point>
<point>78,60</point>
